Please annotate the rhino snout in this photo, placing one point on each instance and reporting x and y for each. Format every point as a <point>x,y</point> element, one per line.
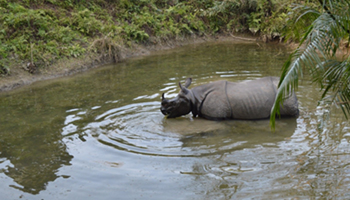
<point>164,111</point>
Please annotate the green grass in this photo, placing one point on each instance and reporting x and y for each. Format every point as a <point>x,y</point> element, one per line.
<point>46,31</point>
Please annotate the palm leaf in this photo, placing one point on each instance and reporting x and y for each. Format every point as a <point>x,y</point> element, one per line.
<point>337,78</point>
<point>316,50</point>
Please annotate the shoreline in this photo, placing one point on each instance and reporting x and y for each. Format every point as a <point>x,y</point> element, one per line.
<point>19,77</point>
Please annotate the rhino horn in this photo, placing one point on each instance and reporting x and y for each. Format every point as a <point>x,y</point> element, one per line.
<point>163,96</point>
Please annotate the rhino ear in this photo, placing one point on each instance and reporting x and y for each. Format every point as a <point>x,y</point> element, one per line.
<point>188,82</point>
<point>183,89</point>
<point>163,96</point>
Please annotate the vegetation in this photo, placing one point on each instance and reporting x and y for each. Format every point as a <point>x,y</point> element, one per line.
<point>41,32</point>
<point>322,30</point>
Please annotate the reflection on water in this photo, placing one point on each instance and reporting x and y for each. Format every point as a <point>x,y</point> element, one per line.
<point>32,155</point>
<point>101,134</point>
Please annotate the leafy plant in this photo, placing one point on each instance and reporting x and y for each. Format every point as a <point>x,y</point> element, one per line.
<point>4,69</point>
<point>85,22</point>
<point>319,43</point>
<point>61,29</point>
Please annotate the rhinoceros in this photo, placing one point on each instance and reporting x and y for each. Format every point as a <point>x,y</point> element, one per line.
<point>221,100</point>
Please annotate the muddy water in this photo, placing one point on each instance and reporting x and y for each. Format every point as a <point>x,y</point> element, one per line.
<point>101,135</point>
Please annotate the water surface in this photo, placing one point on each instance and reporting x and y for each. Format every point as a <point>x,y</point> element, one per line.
<point>101,135</point>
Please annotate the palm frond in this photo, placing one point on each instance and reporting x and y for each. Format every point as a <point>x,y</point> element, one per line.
<point>337,79</point>
<point>316,49</point>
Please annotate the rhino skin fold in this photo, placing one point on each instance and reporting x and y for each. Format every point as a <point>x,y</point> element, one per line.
<point>229,100</point>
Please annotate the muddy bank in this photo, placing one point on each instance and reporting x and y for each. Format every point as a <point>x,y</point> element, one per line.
<point>19,76</point>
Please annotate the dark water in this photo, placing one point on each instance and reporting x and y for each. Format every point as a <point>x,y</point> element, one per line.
<point>100,135</point>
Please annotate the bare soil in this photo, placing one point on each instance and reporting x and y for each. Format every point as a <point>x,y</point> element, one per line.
<point>19,76</point>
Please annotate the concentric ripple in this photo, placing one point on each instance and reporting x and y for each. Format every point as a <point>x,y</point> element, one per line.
<point>140,128</point>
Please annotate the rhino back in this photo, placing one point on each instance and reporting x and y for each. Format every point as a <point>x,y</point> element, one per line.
<point>251,99</point>
<point>241,100</point>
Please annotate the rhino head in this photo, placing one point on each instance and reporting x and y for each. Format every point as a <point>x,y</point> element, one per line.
<point>181,104</point>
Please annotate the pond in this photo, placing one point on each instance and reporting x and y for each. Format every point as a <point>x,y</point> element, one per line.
<point>101,135</point>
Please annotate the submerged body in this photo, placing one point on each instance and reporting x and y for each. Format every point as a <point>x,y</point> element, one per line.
<point>229,100</point>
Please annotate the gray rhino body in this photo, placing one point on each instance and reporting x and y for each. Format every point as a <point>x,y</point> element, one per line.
<point>229,100</point>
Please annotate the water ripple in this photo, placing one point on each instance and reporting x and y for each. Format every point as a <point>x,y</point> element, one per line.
<point>140,128</point>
